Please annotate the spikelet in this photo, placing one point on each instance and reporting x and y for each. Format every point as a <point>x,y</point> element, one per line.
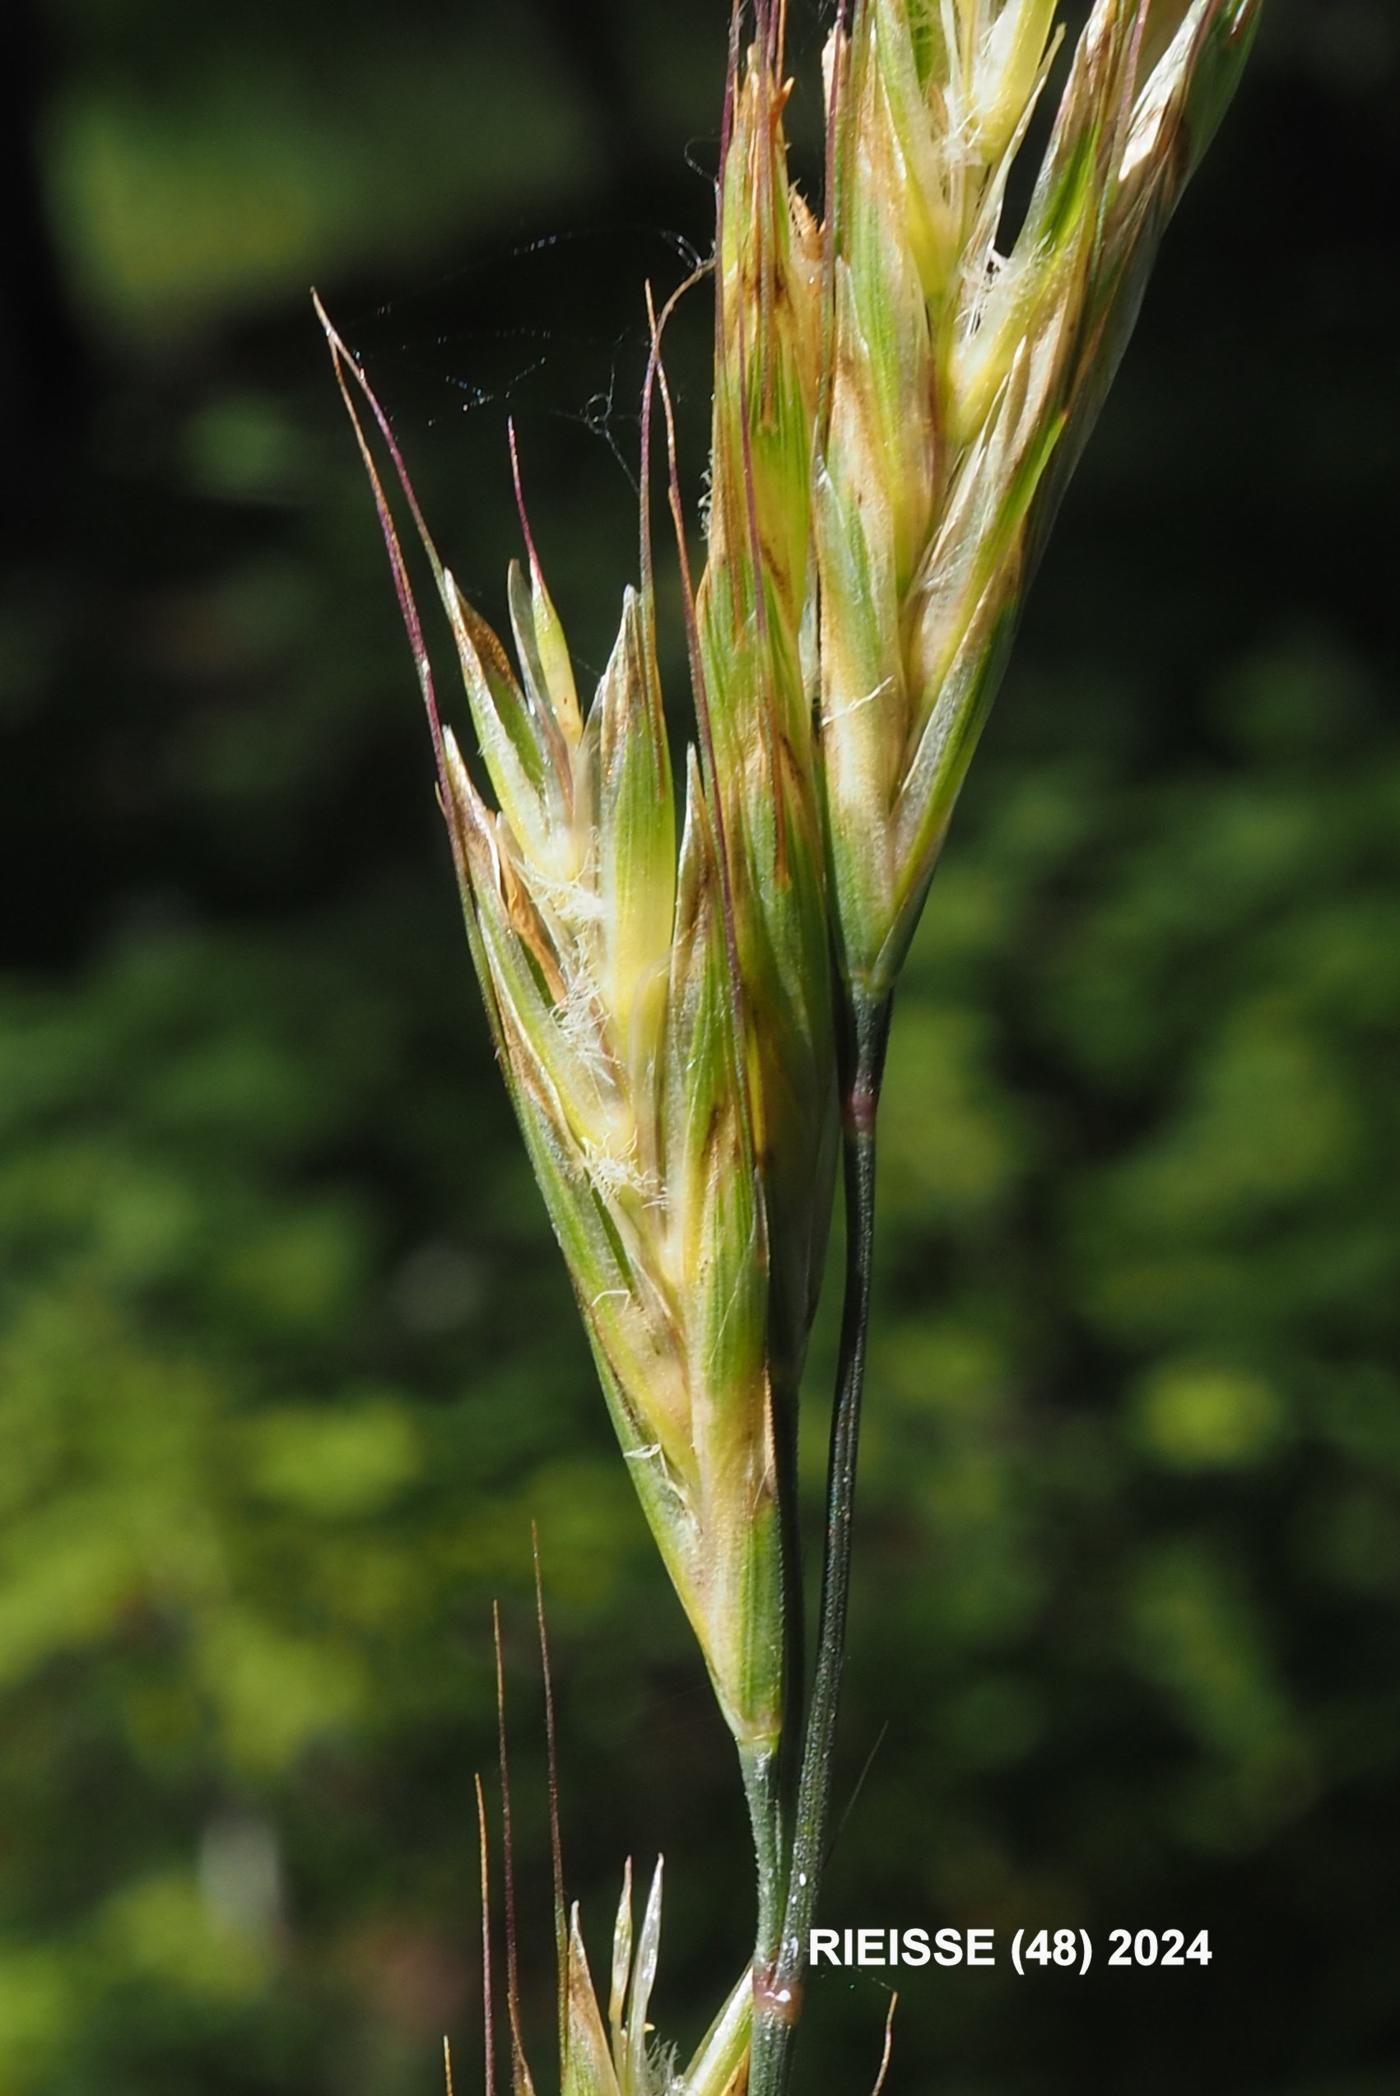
<point>963,381</point>
<point>753,614</point>
<point>622,2057</point>
<point>607,966</point>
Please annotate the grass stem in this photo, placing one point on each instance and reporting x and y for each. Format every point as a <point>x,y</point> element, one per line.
<point>762,1770</point>
<point>778,1991</point>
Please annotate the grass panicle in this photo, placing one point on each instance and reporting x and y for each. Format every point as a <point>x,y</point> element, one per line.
<point>689,969</point>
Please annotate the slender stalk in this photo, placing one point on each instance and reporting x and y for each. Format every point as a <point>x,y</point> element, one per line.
<point>762,1770</point>
<point>794,1619</point>
<point>771,1775</point>
<point>778,1991</point>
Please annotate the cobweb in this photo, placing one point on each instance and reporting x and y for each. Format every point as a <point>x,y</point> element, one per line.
<point>545,329</point>
<point>545,333</point>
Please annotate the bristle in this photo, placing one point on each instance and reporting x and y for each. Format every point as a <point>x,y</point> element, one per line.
<point>556,1843</point>
<point>342,362</point>
<point>657,328</point>
<point>888,2052</point>
<point>520,496</point>
<point>520,2073</point>
<point>488,2006</point>
<point>345,361</point>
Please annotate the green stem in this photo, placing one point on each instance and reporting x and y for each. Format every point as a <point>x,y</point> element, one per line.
<point>762,1770</point>
<point>794,1624</point>
<point>778,1991</point>
<point>771,1774</point>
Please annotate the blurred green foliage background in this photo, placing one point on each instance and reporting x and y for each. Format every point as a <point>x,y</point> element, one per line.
<point>287,1360</point>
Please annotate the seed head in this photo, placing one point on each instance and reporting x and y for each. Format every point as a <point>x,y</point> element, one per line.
<point>899,397</point>
<point>619,1015</point>
<point>965,378</point>
<point>608,969</point>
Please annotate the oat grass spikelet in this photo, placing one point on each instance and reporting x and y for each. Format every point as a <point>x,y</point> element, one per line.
<point>608,968</point>
<point>964,378</point>
<point>756,639</point>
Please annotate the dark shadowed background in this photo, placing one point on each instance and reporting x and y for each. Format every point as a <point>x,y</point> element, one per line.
<point>287,1359</point>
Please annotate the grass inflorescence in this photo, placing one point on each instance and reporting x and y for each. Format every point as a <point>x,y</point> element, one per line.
<point>689,968</point>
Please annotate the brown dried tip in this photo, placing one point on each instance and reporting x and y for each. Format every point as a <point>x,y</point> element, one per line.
<point>521,2083</point>
<point>556,1844</point>
<point>888,2052</point>
<point>488,2009</point>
